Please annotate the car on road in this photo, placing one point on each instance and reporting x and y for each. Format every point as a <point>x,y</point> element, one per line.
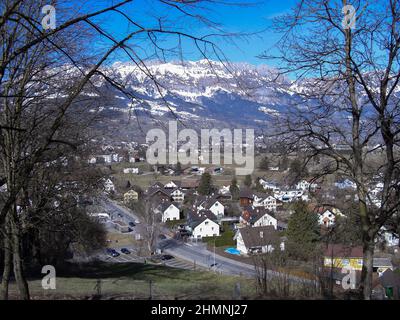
<point>125,251</point>
<point>132,224</point>
<point>112,252</point>
<point>167,257</point>
<point>214,265</point>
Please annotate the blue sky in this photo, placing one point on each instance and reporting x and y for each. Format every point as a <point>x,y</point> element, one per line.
<point>249,18</point>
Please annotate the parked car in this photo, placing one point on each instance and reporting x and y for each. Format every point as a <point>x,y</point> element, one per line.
<point>132,224</point>
<point>125,250</point>
<point>167,257</point>
<point>184,233</point>
<point>112,252</point>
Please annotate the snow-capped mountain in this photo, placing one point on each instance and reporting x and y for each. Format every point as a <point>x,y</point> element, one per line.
<point>204,93</point>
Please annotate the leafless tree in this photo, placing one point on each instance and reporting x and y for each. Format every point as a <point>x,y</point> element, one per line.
<point>45,78</point>
<point>147,209</point>
<point>347,79</point>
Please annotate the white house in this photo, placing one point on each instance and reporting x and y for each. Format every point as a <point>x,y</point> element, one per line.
<point>107,157</point>
<point>132,159</point>
<point>258,240</point>
<point>390,238</point>
<point>171,185</point>
<point>205,228</point>
<point>345,184</point>
<point>131,170</point>
<point>212,204</point>
<point>328,217</point>
<point>169,212</point>
<point>3,188</point>
<point>268,203</point>
<point>224,190</point>
<point>109,186</point>
<point>268,185</point>
<point>92,160</point>
<point>290,195</point>
<point>178,195</point>
<point>305,185</point>
<point>257,217</point>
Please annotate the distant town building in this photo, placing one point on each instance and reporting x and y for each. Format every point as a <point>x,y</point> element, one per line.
<point>109,186</point>
<point>130,196</point>
<point>251,240</point>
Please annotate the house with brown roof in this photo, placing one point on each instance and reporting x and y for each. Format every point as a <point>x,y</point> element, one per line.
<point>246,197</point>
<point>250,240</point>
<point>202,224</point>
<point>340,256</point>
<point>190,184</point>
<point>210,203</point>
<point>257,217</point>
<point>169,211</point>
<point>158,194</point>
<point>327,215</point>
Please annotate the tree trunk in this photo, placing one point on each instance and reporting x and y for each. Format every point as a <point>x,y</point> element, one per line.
<point>7,264</point>
<point>367,270</point>
<point>20,279</point>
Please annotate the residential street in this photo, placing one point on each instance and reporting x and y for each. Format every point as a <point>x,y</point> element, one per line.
<point>193,254</point>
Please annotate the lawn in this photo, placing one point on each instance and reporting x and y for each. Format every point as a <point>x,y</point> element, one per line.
<point>119,239</point>
<point>133,281</point>
<point>225,239</point>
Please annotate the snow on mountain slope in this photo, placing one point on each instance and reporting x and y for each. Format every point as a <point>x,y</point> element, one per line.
<point>207,93</point>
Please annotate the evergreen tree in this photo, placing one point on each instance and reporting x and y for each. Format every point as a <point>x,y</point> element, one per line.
<point>296,171</point>
<point>302,232</point>
<point>258,187</point>
<point>178,169</point>
<point>205,187</point>
<point>264,164</point>
<point>247,181</point>
<point>234,189</point>
<point>284,163</point>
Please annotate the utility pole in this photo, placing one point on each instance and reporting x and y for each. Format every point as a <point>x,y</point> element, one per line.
<point>214,253</point>
<point>151,290</point>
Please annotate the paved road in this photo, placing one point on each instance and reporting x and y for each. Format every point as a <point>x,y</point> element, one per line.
<point>133,257</point>
<point>206,259</point>
<point>196,254</point>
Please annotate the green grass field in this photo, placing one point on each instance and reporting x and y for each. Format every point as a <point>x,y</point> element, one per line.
<point>132,281</point>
